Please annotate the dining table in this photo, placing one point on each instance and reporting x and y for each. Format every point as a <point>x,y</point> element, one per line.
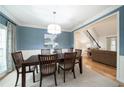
<point>33,61</point>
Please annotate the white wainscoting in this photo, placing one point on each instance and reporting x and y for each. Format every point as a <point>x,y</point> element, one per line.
<point>28,53</point>
<point>120,69</point>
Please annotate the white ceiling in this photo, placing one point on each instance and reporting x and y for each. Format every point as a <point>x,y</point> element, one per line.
<point>107,27</point>
<point>68,16</point>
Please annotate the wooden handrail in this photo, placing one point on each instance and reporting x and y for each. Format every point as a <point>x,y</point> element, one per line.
<point>94,39</point>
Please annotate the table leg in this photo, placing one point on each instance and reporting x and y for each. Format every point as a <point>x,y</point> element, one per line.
<point>80,64</point>
<point>23,75</point>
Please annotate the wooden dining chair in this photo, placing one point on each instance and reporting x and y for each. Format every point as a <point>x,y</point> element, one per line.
<point>78,56</point>
<point>68,64</point>
<point>48,66</point>
<point>45,51</point>
<point>18,59</point>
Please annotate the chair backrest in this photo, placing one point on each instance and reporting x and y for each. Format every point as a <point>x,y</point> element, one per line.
<point>45,51</point>
<point>79,52</point>
<point>70,50</point>
<point>18,59</point>
<point>48,64</point>
<point>58,51</point>
<point>69,60</point>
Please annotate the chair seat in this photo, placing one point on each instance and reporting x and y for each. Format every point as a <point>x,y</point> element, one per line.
<point>61,65</point>
<point>68,63</point>
<point>32,68</point>
<point>67,66</point>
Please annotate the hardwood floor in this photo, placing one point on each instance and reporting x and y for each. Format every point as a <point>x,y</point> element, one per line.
<point>103,69</point>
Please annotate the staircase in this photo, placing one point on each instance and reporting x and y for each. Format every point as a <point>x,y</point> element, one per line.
<point>93,40</point>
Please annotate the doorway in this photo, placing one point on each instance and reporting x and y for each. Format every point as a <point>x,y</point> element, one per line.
<point>106,39</point>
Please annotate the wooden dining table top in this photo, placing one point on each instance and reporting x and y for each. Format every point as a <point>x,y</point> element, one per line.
<point>34,60</point>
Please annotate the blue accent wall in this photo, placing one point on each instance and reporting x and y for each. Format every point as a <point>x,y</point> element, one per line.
<point>121,28</point>
<point>33,38</point>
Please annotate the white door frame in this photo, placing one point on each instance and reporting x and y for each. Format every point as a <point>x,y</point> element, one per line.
<point>118,39</point>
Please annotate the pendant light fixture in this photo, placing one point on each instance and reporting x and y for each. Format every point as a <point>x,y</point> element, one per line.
<point>54,28</point>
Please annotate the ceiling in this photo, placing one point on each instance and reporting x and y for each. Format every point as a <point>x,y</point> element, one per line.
<point>68,16</point>
<point>106,27</point>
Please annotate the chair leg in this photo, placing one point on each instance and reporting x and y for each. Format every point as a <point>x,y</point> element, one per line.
<point>58,70</point>
<point>17,79</point>
<point>55,78</point>
<point>33,76</point>
<point>40,80</point>
<point>36,68</point>
<point>79,67</point>
<point>74,73</point>
<point>64,76</point>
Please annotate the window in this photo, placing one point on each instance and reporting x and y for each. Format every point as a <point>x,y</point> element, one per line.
<point>3,36</point>
<point>112,43</point>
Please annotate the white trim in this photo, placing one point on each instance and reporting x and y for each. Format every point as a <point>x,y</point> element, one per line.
<point>121,69</point>
<point>108,10</point>
<point>118,48</point>
<point>41,27</point>
<point>32,26</point>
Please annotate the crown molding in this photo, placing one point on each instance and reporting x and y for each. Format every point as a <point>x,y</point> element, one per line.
<point>41,27</point>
